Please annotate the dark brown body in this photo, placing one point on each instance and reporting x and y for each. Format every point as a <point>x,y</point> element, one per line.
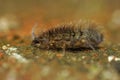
<point>69,36</point>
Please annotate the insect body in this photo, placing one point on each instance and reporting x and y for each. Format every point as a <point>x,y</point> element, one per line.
<point>69,35</point>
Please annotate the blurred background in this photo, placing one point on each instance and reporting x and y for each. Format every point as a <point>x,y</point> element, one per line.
<point>19,61</point>
<point>19,16</point>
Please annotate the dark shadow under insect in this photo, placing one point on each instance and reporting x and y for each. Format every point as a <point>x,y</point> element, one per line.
<point>74,49</point>
<point>82,49</point>
<point>69,36</point>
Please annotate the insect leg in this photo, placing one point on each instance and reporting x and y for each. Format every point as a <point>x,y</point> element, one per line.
<point>91,47</point>
<point>64,48</point>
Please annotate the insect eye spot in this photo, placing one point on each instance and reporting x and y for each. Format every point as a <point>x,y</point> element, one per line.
<point>35,41</point>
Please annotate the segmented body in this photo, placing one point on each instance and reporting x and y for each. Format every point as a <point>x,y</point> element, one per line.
<point>69,35</point>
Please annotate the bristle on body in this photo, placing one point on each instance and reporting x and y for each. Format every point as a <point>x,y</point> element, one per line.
<point>70,35</point>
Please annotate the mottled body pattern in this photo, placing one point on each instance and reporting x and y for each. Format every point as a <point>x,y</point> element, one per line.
<point>69,35</point>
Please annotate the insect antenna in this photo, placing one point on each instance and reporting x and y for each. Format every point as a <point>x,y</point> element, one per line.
<point>33,31</point>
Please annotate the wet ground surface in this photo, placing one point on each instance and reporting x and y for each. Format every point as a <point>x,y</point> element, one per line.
<point>20,61</point>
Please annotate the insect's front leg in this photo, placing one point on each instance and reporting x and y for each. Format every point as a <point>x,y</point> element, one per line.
<point>64,46</point>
